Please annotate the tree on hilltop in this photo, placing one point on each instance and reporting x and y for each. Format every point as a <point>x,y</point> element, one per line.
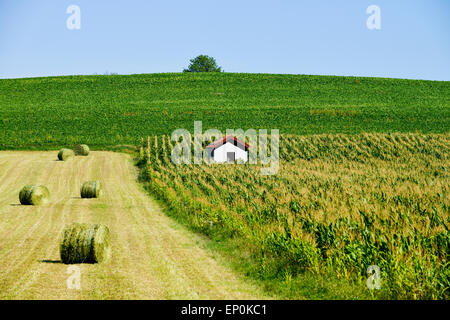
<point>203,63</point>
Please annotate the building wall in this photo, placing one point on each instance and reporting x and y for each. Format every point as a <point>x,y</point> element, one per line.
<point>220,154</point>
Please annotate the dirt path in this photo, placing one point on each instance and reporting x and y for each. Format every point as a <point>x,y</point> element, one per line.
<point>153,257</point>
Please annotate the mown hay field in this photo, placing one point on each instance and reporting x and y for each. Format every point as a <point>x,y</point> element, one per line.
<point>104,111</point>
<point>151,256</point>
<point>338,204</point>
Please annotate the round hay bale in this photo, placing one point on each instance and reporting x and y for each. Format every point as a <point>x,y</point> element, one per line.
<point>65,154</point>
<point>33,195</point>
<point>91,189</point>
<point>85,243</point>
<point>81,150</point>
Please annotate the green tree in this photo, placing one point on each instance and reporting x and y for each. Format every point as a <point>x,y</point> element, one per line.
<point>203,63</point>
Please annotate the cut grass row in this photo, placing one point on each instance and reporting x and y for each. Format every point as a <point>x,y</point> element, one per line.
<point>152,256</point>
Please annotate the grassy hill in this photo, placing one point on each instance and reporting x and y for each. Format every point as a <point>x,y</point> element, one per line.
<point>45,113</point>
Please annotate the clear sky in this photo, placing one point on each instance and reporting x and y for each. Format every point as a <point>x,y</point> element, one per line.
<point>327,37</point>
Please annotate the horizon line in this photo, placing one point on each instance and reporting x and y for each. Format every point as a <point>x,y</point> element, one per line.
<point>107,73</point>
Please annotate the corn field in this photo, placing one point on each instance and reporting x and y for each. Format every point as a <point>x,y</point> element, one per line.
<point>338,204</point>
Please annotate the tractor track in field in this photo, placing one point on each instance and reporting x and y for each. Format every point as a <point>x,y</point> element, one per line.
<point>153,257</point>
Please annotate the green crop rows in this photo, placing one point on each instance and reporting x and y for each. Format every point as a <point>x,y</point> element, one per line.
<point>103,111</point>
<point>338,204</point>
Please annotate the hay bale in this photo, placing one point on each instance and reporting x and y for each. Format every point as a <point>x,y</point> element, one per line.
<point>85,243</point>
<point>81,150</point>
<point>91,189</point>
<point>33,195</point>
<point>65,154</point>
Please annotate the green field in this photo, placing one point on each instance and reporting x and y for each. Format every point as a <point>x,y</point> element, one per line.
<point>45,113</point>
<point>363,177</point>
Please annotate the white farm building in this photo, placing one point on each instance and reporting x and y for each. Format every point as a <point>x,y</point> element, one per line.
<point>228,150</point>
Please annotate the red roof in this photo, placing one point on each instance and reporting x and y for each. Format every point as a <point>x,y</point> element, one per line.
<point>224,140</point>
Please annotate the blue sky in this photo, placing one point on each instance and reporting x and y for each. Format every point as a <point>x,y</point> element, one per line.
<point>328,37</point>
